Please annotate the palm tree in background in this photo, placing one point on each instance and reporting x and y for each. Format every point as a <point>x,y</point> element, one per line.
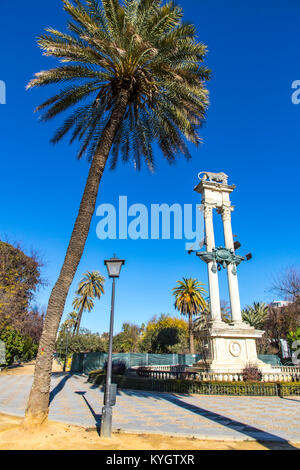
<point>131,74</point>
<point>256,314</point>
<point>89,288</point>
<point>70,322</point>
<point>189,301</point>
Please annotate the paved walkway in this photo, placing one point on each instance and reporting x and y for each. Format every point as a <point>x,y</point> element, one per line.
<point>75,401</point>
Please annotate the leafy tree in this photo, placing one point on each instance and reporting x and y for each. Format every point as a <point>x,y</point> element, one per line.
<point>84,341</point>
<point>165,334</point>
<point>14,343</point>
<point>20,324</point>
<point>256,314</point>
<point>189,301</point>
<point>280,321</point>
<point>30,349</point>
<point>19,279</point>
<point>170,340</point>
<point>128,340</point>
<point>70,322</point>
<point>90,287</point>
<point>32,324</point>
<point>135,76</point>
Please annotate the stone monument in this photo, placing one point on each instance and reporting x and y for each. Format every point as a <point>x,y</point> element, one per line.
<point>230,346</point>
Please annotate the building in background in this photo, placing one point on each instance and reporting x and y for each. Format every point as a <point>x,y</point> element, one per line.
<point>280,303</point>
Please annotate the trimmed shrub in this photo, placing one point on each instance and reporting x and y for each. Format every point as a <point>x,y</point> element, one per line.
<point>118,367</point>
<point>251,373</point>
<point>142,371</point>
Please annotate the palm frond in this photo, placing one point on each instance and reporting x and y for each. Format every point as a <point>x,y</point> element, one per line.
<point>143,46</point>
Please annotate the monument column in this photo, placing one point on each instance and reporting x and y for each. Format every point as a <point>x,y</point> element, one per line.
<point>231,269</point>
<point>212,276</point>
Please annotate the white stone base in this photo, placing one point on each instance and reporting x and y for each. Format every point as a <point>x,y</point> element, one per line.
<point>232,347</point>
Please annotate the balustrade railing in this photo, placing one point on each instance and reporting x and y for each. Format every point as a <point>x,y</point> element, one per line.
<point>286,374</point>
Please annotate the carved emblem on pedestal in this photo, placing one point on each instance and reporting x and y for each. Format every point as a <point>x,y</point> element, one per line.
<point>235,348</point>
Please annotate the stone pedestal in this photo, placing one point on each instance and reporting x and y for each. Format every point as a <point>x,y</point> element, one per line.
<point>230,348</point>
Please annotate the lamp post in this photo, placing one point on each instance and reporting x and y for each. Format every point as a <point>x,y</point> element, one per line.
<point>113,266</point>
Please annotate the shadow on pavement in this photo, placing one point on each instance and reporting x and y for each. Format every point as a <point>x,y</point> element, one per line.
<point>60,384</point>
<point>290,399</point>
<point>269,440</point>
<point>97,417</point>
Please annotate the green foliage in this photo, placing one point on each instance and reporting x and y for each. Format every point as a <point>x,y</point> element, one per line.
<point>293,336</point>
<point>189,301</point>
<point>70,322</point>
<point>89,288</point>
<point>85,341</point>
<point>256,314</point>
<point>194,386</point>
<point>189,297</point>
<point>30,349</point>
<point>17,345</point>
<point>165,335</point>
<point>19,279</point>
<point>118,367</point>
<point>128,340</point>
<point>143,47</point>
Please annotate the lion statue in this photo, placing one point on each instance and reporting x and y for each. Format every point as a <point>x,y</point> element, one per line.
<point>214,177</point>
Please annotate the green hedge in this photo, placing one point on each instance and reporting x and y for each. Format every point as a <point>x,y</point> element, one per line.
<point>292,388</point>
<point>203,388</point>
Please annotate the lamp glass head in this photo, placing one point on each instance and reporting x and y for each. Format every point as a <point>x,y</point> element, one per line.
<point>114,266</point>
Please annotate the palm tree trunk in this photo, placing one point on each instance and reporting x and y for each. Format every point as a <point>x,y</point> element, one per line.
<point>79,320</point>
<point>191,334</point>
<point>77,323</point>
<point>38,403</point>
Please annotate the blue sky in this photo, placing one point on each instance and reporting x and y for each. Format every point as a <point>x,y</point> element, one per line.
<point>251,133</point>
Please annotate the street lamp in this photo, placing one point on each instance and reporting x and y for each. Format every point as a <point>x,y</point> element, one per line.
<point>113,266</point>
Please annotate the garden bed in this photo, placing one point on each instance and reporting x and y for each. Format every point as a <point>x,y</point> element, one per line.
<point>270,389</point>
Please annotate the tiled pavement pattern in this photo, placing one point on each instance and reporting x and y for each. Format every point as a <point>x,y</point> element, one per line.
<point>75,401</point>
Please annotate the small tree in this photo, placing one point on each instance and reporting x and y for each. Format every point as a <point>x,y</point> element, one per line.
<point>189,301</point>
<point>89,288</point>
<point>251,373</point>
<point>14,343</point>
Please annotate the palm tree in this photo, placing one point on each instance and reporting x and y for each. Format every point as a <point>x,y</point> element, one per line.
<point>90,287</point>
<point>203,320</point>
<point>189,301</point>
<point>255,315</point>
<point>136,76</point>
<point>70,322</point>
